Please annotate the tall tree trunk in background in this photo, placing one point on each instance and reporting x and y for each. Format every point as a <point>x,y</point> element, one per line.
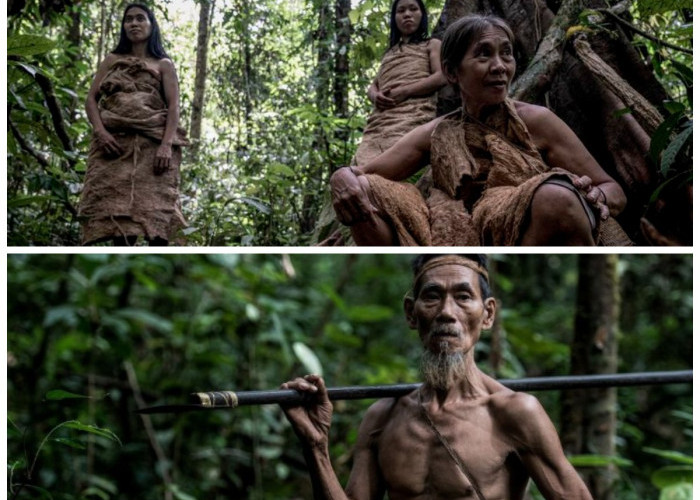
<point>323,78</point>
<point>102,30</point>
<point>589,416</point>
<point>247,73</point>
<point>552,72</point>
<point>342,66</point>
<point>206,8</point>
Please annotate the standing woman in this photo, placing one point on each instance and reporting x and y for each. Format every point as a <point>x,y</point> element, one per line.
<point>403,92</point>
<point>131,184</point>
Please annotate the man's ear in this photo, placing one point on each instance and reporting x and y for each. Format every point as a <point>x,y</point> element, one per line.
<point>408,307</point>
<point>489,312</point>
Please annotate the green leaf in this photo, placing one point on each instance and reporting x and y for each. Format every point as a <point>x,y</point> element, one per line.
<point>28,45</point>
<point>93,429</point>
<point>661,136</point>
<point>307,358</point>
<point>598,461</point>
<point>179,494</point>
<point>281,168</point>
<point>671,475</point>
<point>674,456</point>
<point>65,314</point>
<point>369,313</point>
<point>674,107</point>
<point>256,203</point>
<point>341,338</point>
<point>23,201</point>
<point>44,493</point>
<point>103,484</point>
<point>622,112</point>
<point>58,394</point>
<point>72,443</point>
<point>650,7</point>
<point>147,318</point>
<point>683,491</point>
<point>92,491</point>
<point>670,153</point>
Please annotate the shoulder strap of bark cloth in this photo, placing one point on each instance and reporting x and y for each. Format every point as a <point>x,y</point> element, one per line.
<point>453,454</point>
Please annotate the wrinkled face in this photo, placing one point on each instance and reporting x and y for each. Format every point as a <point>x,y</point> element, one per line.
<point>408,16</point>
<point>486,70</point>
<point>448,311</point>
<point>137,25</point>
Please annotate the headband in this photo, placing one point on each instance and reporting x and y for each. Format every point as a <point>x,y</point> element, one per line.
<point>447,260</point>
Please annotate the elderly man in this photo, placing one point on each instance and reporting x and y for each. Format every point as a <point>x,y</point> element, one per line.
<point>462,434</point>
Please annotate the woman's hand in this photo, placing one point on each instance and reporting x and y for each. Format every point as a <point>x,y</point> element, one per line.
<point>311,420</point>
<point>162,160</point>
<point>382,100</point>
<point>350,200</point>
<point>108,143</point>
<point>594,195</point>
<point>398,93</point>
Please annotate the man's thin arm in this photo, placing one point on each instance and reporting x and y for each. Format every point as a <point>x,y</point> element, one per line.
<point>323,479</point>
<point>541,452</point>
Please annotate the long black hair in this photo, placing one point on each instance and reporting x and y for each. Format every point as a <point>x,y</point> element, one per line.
<point>154,44</point>
<point>420,35</point>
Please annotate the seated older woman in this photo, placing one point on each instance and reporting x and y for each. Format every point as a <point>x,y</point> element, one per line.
<point>503,172</point>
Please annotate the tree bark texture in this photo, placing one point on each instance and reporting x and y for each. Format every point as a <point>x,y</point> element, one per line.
<point>551,73</point>
<point>323,79</point>
<point>343,31</point>
<point>205,9</point>
<point>588,417</point>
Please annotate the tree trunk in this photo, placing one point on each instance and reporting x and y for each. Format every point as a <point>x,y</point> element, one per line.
<point>550,72</point>
<point>588,416</point>
<point>323,38</point>
<point>342,64</point>
<point>206,8</point>
<point>247,75</point>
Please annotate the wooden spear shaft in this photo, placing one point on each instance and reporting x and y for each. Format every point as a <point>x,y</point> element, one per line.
<point>217,400</point>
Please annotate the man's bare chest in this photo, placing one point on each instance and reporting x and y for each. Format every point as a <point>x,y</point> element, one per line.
<point>416,464</point>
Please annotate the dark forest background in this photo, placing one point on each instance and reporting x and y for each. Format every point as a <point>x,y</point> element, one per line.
<point>273,95</point>
<point>92,337</point>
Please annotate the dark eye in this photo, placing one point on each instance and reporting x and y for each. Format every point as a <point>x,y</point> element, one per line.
<point>463,296</point>
<point>430,296</point>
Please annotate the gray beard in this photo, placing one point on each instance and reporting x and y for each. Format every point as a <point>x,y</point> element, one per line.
<point>443,369</point>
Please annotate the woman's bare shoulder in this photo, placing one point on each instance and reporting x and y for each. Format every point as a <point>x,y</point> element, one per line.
<point>434,44</point>
<point>532,113</point>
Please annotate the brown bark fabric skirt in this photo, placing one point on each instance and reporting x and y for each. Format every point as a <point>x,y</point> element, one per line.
<point>484,176</point>
<point>402,64</point>
<point>121,195</point>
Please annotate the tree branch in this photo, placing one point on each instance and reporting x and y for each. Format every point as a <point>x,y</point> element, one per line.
<point>647,116</point>
<point>148,425</point>
<point>547,59</point>
<point>54,108</point>
<point>41,158</point>
<point>26,147</point>
<point>633,28</point>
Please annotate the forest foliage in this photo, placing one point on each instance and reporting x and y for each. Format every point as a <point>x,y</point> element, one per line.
<point>92,337</point>
<point>280,113</point>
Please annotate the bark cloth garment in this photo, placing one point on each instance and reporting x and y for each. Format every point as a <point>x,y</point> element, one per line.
<point>492,170</point>
<point>402,64</point>
<point>121,195</point>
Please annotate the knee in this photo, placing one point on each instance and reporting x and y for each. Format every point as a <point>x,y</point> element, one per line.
<point>557,206</point>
